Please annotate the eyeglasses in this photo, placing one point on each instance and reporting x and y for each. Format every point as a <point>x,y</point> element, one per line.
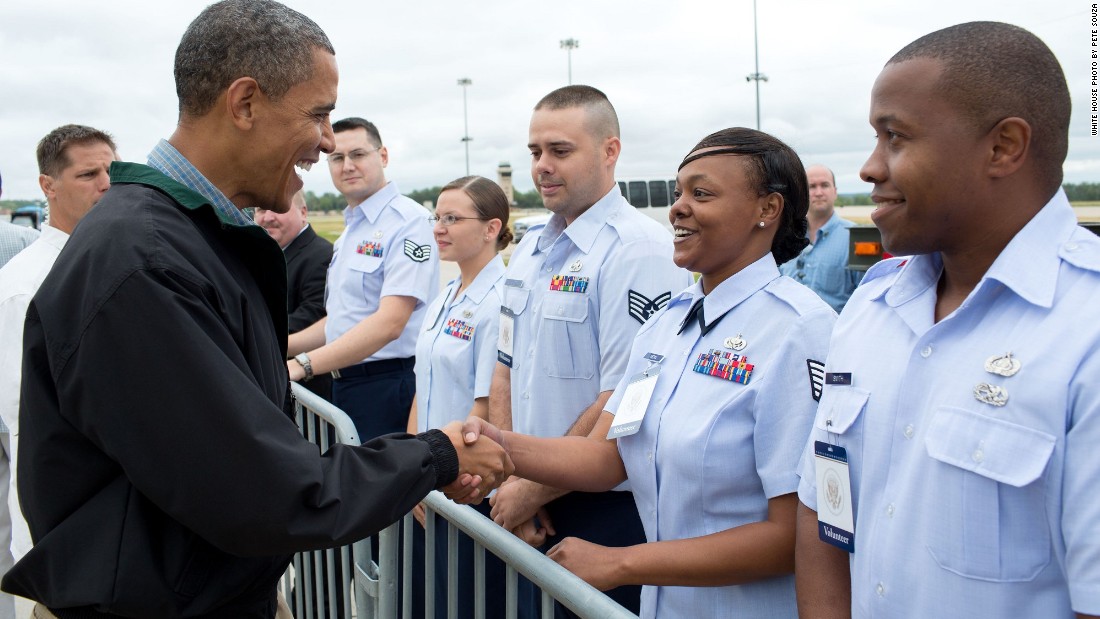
<point>357,156</point>
<point>448,220</point>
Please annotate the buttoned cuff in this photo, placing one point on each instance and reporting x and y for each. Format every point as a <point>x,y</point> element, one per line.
<point>444,457</point>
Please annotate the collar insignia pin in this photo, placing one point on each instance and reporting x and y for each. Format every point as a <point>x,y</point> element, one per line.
<point>576,266</point>
<point>991,394</point>
<point>1002,365</point>
<point>467,314</point>
<point>377,234</point>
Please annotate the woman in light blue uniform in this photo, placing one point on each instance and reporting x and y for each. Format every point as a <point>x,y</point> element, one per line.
<point>456,348</point>
<point>734,363</point>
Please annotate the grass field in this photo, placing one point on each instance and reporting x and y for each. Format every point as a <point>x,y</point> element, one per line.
<point>330,226</point>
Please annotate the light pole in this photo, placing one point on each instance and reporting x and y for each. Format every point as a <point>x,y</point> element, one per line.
<point>757,76</point>
<point>569,45</point>
<point>464,82</point>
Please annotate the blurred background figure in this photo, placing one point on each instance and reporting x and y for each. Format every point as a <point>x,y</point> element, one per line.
<point>73,165</point>
<point>823,264</point>
<point>307,258</point>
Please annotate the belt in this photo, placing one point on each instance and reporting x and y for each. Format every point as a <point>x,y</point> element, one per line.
<point>372,368</point>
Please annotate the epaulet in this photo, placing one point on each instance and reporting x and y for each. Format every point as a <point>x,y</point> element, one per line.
<point>883,267</point>
<point>1082,250</point>
<point>632,226</point>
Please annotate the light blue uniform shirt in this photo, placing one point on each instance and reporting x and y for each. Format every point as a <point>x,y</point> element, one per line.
<point>456,350</point>
<point>569,346</point>
<point>963,508</point>
<point>386,249</point>
<point>823,264</point>
<point>711,452</point>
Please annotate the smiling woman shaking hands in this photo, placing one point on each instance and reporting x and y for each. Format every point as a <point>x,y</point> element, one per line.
<point>716,403</point>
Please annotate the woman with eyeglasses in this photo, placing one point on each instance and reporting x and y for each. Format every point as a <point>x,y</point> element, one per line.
<point>716,404</point>
<point>456,349</point>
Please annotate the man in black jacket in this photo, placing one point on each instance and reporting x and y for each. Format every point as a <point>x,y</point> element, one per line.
<point>163,475</point>
<point>307,257</point>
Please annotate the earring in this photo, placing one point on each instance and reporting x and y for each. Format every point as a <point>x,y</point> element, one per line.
<point>761,224</point>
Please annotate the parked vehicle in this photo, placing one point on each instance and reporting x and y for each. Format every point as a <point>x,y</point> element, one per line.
<point>30,216</point>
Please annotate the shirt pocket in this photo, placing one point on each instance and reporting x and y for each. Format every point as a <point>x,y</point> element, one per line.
<point>839,408</point>
<point>990,500</point>
<point>568,338</point>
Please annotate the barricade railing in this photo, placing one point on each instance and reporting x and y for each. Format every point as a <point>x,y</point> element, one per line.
<point>316,586</point>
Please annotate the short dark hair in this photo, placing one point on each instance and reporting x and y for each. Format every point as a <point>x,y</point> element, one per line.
<point>51,151</point>
<point>489,202</point>
<point>992,71</point>
<point>602,120</point>
<point>773,167</point>
<point>354,122</point>
<point>261,39</point>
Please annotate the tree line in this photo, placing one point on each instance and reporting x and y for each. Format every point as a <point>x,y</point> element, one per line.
<point>330,202</point>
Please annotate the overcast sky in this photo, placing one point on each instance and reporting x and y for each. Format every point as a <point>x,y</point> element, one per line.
<point>675,71</point>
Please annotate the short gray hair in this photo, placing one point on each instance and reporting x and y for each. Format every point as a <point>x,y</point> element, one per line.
<point>261,39</point>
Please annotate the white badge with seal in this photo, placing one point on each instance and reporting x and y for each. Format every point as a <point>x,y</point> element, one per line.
<point>506,335</point>
<point>507,332</point>
<point>639,390</point>
<point>835,521</point>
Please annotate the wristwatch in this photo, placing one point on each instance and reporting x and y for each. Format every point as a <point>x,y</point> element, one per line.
<point>303,360</point>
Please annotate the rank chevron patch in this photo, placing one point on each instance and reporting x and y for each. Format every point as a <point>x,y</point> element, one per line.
<point>817,378</point>
<point>418,253</point>
<point>642,307</point>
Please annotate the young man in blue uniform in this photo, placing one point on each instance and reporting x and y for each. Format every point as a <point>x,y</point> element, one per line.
<point>960,400</point>
<point>576,292</point>
<point>384,273</point>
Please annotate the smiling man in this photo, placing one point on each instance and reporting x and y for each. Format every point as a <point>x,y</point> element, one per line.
<point>307,258</point>
<point>384,272</point>
<point>960,400</point>
<point>163,475</point>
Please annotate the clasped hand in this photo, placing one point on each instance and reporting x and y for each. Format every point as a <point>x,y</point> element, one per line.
<point>482,465</point>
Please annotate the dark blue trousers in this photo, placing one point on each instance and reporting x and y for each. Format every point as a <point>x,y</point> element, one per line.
<point>604,518</point>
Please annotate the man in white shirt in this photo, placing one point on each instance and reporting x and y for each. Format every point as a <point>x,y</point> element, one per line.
<point>73,163</point>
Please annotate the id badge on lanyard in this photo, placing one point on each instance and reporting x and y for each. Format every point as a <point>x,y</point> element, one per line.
<point>635,401</point>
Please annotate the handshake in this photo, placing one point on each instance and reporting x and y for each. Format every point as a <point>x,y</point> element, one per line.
<point>483,465</point>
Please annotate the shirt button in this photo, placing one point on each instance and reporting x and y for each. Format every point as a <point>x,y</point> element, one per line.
<point>549,270</point>
<point>1071,246</point>
<point>890,510</point>
<point>561,310</point>
<point>880,589</point>
<point>926,352</point>
<point>526,395</point>
<point>649,456</point>
<point>801,275</point>
<point>909,431</point>
<point>978,455</point>
<point>687,351</point>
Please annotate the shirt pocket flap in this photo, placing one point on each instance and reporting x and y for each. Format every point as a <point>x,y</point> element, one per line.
<point>364,264</point>
<point>840,407</point>
<point>567,306</point>
<point>515,299</point>
<point>994,448</point>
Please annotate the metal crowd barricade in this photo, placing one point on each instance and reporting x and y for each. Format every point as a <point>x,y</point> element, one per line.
<point>316,586</point>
